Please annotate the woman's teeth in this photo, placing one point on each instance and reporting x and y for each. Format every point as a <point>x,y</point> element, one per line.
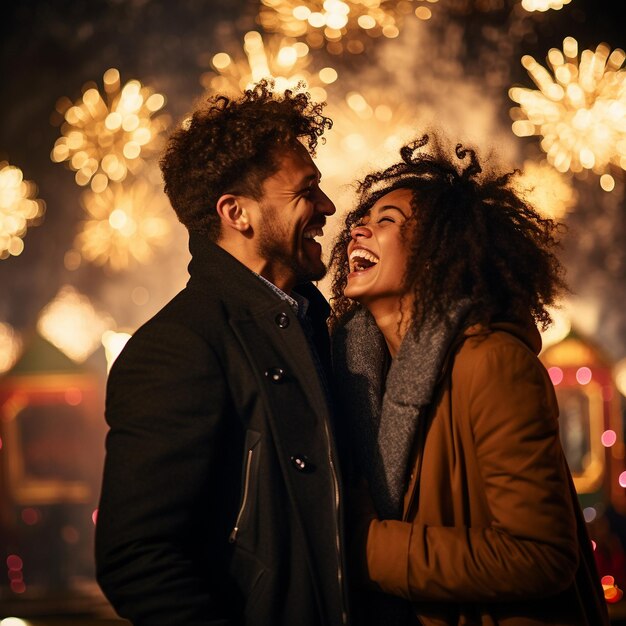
<point>362,260</point>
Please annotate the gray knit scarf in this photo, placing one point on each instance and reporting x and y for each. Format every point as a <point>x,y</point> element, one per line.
<point>382,409</point>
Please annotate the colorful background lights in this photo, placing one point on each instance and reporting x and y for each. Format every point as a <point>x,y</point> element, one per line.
<point>90,248</point>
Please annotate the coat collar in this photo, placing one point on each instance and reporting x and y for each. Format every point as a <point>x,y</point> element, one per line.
<point>212,268</point>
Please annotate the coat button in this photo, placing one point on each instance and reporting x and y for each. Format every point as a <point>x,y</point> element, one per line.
<point>302,463</point>
<point>275,374</point>
<point>282,320</point>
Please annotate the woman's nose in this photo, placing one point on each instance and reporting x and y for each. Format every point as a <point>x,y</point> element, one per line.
<point>360,231</point>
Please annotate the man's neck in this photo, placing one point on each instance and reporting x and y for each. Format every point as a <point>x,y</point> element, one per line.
<point>259,265</point>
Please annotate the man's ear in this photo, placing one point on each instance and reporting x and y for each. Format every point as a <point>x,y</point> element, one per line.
<point>232,213</point>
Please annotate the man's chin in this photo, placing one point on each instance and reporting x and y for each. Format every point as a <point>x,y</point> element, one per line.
<point>311,272</point>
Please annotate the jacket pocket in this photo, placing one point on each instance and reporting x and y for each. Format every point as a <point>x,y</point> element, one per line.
<point>252,450</point>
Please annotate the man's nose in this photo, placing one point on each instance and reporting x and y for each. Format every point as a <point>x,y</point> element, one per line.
<point>325,205</point>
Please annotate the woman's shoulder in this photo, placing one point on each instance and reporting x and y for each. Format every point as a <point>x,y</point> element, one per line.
<point>502,345</point>
<point>482,338</point>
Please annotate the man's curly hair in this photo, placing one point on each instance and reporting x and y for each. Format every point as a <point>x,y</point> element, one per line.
<point>471,235</point>
<point>230,145</point>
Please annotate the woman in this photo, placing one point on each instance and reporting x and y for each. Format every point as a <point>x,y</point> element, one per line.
<point>442,274</point>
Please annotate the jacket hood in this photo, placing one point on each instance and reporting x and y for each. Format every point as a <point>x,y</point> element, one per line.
<point>526,332</point>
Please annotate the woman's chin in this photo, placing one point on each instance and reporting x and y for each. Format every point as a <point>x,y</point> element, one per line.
<point>355,293</point>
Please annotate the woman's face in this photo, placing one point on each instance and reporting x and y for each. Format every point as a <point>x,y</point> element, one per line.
<point>378,251</point>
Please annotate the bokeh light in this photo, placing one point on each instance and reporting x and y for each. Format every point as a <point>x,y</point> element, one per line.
<point>583,375</point>
<point>612,593</point>
<point>556,375</point>
<point>544,5</point>
<point>113,343</point>
<point>579,109</point>
<point>19,209</point>
<point>589,513</point>
<point>559,328</point>
<point>619,375</point>
<point>71,323</point>
<point>31,516</point>
<point>608,439</point>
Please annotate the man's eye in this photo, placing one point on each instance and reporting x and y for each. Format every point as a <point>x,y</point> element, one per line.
<point>387,219</point>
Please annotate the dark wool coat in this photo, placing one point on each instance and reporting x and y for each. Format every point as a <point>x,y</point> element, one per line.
<point>491,532</point>
<point>220,496</point>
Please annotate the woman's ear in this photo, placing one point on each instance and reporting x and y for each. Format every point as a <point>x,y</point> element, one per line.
<point>232,212</point>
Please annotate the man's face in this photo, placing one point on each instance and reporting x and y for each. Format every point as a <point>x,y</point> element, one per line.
<point>292,213</point>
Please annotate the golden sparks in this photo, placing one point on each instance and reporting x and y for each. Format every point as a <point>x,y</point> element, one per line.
<point>340,25</point>
<point>106,137</point>
<point>283,59</point>
<point>19,209</point>
<point>125,225</point>
<point>579,110</point>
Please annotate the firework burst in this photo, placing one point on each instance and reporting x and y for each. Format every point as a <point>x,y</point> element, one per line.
<point>340,25</point>
<point>19,209</point>
<point>579,111</point>
<point>106,137</point>
<point>282,59</point>
<point>125,225</point>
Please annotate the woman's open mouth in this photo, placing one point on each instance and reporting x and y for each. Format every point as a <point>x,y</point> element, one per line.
<point>362,260</point>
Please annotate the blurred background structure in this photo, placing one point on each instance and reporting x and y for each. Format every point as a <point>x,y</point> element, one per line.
<point>89,248</point>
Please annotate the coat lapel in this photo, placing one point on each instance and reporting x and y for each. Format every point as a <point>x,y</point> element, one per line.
<point>298,418</point>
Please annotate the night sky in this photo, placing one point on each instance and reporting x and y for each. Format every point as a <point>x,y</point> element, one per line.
<point>459,64</point>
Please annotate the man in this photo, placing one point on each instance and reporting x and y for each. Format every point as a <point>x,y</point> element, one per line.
<point>221,496</point>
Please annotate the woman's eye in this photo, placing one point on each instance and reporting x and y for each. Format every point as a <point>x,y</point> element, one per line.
<point>386,219</point>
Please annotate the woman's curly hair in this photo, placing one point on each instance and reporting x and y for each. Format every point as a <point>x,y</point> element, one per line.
<point>471,235</point>
<point>229,145</point>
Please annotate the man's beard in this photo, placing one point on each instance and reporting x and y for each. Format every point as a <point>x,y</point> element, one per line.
<point>272,246</point>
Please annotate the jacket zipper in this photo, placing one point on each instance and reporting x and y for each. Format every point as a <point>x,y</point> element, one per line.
<point>246,485</point>
<point>344,614</point>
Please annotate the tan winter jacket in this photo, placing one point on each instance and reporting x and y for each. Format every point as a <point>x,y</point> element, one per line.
<point>492,530</point>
